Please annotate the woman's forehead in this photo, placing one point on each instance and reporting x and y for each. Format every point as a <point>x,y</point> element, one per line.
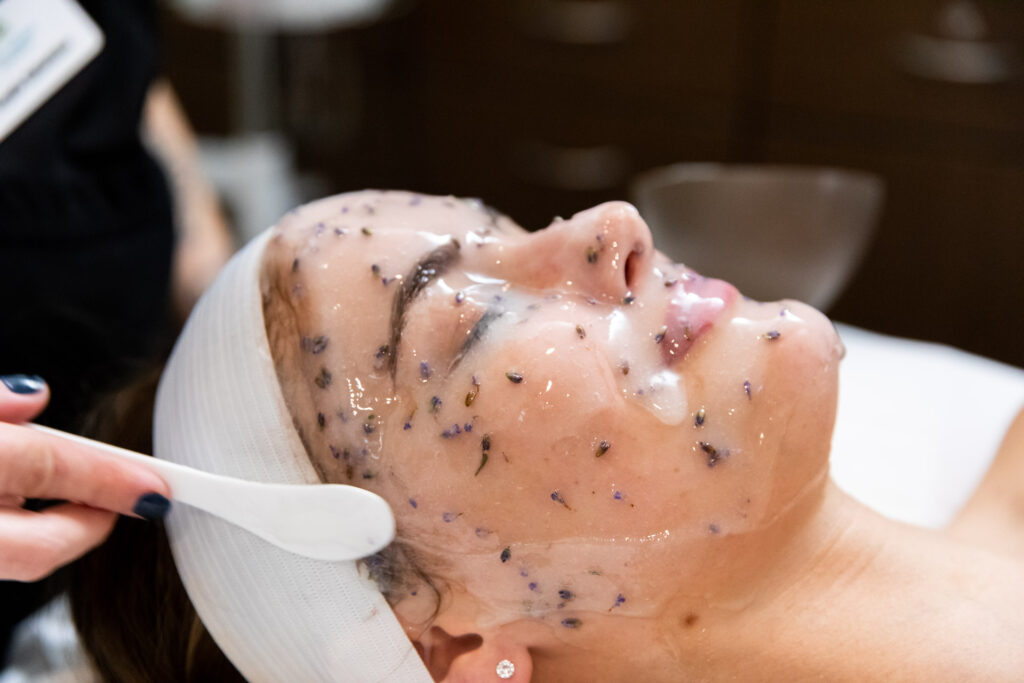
<point>373,211</point>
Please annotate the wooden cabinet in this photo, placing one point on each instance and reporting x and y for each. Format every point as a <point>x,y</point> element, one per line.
<point>946,261</point>
<point>545,108</point>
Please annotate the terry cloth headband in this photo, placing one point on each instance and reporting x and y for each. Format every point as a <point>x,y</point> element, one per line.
<point>277,616</point>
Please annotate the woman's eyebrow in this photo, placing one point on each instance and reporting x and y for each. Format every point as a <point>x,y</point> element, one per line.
<point>431,266</point>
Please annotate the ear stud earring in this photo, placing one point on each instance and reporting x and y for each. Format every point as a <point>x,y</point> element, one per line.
<point>505,669</point>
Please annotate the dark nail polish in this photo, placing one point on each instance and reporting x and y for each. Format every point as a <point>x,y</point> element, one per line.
<point>24,384</point>
<point>152,506</point>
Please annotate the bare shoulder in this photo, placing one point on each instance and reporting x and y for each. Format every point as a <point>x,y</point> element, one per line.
<point>994,516</point>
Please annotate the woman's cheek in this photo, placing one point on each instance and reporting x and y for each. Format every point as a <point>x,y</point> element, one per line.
<point>548,413</point>
<point>539,390</point>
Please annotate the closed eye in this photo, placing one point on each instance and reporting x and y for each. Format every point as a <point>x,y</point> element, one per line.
<point>431,266</point>
<point>477,332</point>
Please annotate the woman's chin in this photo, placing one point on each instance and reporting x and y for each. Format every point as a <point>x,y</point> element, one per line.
<point>818,323</point>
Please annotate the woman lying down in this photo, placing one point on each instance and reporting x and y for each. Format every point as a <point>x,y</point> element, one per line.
<point>603,467</point>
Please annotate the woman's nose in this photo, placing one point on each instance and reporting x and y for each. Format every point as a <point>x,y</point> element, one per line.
<point>601,252</point>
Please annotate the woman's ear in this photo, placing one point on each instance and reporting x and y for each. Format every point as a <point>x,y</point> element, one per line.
<point>474,657</point>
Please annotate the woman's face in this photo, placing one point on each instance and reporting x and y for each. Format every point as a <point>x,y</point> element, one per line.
<point>564,422</point>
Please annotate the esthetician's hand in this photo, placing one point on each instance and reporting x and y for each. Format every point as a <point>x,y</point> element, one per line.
<point>35,465</point>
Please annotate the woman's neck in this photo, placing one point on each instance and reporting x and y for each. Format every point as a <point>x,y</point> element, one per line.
<point>851,596</point>
<point>863,598</point>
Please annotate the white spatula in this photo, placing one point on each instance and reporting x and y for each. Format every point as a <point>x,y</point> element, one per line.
<point>323,521</point>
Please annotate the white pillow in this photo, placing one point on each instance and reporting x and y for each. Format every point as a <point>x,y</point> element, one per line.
<point>918,424</point>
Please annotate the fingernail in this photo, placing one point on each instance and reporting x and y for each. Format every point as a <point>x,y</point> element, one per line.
<point>24,384</point>
<point>152,506</point>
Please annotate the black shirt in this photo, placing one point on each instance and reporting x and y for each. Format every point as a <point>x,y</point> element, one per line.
<point>85,234</point>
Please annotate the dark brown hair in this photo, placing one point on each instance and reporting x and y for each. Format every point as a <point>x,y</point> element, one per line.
<point>128,604</point>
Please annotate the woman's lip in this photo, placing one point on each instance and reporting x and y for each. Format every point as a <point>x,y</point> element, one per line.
<point>694,305</point>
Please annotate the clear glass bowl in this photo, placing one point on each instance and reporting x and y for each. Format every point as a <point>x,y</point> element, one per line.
<point>774,231</point>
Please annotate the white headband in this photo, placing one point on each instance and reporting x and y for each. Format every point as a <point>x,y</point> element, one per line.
<point>277,616</point>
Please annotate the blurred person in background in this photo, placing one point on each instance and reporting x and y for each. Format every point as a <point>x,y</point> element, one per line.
<point>108,235</point>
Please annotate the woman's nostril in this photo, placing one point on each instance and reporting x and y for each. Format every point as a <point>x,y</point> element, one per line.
<point>630,268</point>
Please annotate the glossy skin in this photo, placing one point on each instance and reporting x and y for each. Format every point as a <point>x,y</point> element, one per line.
<point>670,521</point>
<point>665,483</point>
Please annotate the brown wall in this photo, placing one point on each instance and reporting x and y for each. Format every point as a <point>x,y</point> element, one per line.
<point>501,100</point>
